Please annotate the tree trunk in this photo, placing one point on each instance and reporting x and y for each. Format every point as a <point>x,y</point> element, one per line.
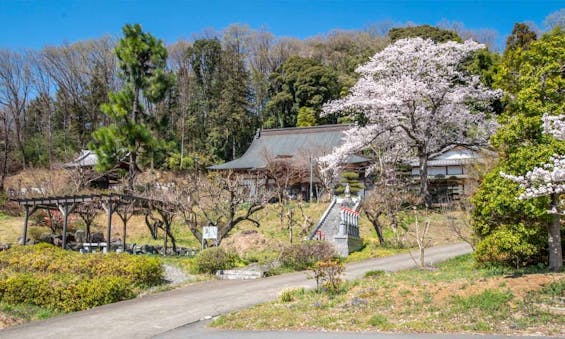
<point>19,141</point>
<point>422,261</point>
<point>424,189</point>
<point>554,238</point>
<point>374,219</point>
<point>5,155</point>
<point>132,170</point>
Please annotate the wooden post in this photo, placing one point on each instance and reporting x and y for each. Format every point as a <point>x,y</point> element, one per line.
<point>26,217</point>
<point>28,213</point>
<point>65,220</point>
<point>109,211</point>
<point>65,211</point>
<point>124,235</point>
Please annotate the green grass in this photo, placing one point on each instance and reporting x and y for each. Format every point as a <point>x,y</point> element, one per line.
<point>457,297</point>
<point>490,301</point>
<point>27,312</point>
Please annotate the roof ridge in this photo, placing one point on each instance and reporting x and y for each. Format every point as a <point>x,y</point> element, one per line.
<point>308,128</point>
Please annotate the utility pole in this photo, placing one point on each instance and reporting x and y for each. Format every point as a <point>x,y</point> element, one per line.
<point>311,179</point>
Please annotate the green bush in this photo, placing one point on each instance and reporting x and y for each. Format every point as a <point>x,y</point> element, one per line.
<point>137,270</point>
<point>305,254</point>
<point>505,246</point>
<point>214,259</point>
<point>63,292</point>
<point>96,292</point>
<point>47,276</point>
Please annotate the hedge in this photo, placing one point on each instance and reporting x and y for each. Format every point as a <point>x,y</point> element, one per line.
<point>47,276</point>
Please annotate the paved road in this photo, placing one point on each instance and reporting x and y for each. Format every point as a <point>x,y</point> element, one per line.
<point>160,313</point>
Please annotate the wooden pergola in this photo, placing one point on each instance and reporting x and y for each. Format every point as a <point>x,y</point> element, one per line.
<point>75,203</point>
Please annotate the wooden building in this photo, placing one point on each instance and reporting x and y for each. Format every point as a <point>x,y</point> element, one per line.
<point>295,148</point>
<point>449,170</point>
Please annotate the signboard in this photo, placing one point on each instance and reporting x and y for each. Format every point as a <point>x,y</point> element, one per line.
<point>210,232</point>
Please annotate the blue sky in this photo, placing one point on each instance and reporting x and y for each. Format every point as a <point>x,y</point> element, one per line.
<point>34,24</point>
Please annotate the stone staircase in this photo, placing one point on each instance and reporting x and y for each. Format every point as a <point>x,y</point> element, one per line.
<point>338,225</point>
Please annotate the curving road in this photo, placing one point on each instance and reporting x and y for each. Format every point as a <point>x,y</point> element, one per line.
<point>161,313</point>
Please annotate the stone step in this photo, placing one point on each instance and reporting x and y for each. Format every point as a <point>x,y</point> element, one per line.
<point>238,274</point>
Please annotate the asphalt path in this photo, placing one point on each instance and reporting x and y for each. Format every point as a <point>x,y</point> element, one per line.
<point>162,313</point>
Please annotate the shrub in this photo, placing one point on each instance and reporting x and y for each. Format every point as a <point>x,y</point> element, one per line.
<point>137,270</point>
<point>304,255</point>
<point>63,292</point>
<point>47,276</point>
<point>506,247</point>
<point>95,292</point>
<point>214,259</point>
<point>328,275</point>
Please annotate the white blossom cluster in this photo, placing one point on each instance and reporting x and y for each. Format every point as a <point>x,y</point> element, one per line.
<point>550,178</point>
<point>554,125</point>
<point>415,96</point>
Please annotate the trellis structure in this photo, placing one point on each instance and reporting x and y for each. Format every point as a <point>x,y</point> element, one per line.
<point>75,203</point>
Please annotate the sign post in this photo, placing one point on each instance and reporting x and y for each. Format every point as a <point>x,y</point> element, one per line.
<point>209,232</point>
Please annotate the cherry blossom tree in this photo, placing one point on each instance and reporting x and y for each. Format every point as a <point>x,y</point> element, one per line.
<point>416,95</point>
<point>548,180</point>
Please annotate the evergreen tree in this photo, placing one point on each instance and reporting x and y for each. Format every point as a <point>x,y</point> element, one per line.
<point>425,32</point>
<point>511,230</point>
<point>142,60</point>
<point>231,122</point>
<point>300,82</point>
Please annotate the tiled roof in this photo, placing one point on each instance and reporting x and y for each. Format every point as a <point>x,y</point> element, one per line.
<point>298,143</point>
<point>86,158</point>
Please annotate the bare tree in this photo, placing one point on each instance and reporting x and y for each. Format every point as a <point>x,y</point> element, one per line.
<point>281,174</point>
<point>15,80</point>
<point>390,196</point>
<point>5,118</point>
<point>84,74</point>
<point>225,201</point>
<point>88,212</point>
<point>420,233</point>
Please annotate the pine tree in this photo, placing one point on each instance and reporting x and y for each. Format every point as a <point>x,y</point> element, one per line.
<point>142,60</point>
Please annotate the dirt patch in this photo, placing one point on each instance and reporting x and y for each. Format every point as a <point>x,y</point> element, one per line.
<point>519,286</point>
<point>7,321</point>
<point>247,240</point>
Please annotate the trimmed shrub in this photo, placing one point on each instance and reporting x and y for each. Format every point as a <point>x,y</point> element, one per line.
<point>304,255</point>
<point>47,276</point>
<point>214,259</point>
<point>137,270</point>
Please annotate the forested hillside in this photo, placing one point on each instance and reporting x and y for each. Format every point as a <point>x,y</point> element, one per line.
<point>225,85</point>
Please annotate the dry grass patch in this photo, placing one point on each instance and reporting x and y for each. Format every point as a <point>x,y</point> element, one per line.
<point>10,229</point>
<point>457,297</point>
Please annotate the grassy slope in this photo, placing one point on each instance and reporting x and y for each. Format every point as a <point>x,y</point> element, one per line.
<point>457,297</point>
<point>271,229</point>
